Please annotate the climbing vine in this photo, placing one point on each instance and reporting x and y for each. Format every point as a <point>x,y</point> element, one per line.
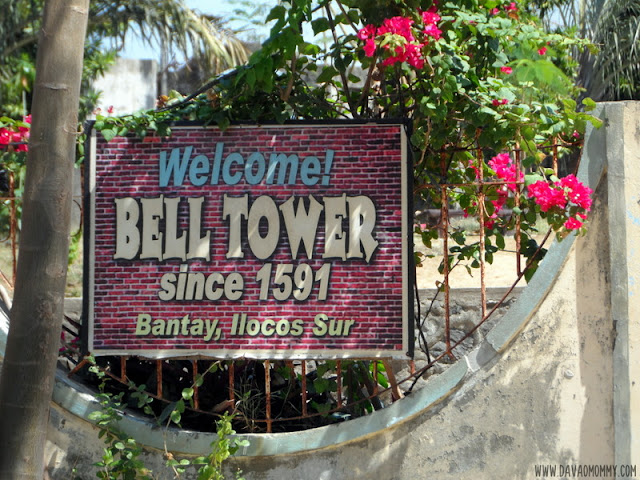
<point>122,455</point>
<point>486,88</point>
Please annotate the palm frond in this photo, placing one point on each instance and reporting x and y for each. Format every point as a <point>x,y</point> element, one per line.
<point>613,73</point>
<point>170,23</point>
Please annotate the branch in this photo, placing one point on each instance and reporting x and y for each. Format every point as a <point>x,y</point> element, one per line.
<point>345,81</point>
<point>29,39</point>
<point>287,92</point>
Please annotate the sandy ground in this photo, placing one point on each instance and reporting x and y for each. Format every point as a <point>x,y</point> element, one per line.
<point>501,273</point>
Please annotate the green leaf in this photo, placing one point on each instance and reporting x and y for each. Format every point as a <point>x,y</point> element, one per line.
<point>327,74</point>
<point>528,273</point>
<point>530,178</point>
<point>529,146</point>
<point>166,412</point>
<point>530,216</point>
<point>322,408</point>
<point>109,133</point>
<point>489,111</point>
<point>589,104</point>
<point>187,393</point>
<point>321,385</point>
<point>176,417</point>
<point>277,13</point>
<point>95,416</point>
<point>320,25</point>
<point>596,122</point>
<point>460,63</point>
<point>251,78</point>
<point>529,161</point>
<point>309,49</point>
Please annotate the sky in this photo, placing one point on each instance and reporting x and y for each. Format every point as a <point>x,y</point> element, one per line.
<point>134,48</point>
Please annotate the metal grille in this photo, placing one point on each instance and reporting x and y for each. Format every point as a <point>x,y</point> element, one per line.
<point>270,396</point>
<point>10,210</point>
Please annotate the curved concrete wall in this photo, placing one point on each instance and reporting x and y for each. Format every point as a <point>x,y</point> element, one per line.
<point>538,391</point>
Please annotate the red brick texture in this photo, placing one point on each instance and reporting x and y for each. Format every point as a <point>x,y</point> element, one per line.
<point>365,312</point>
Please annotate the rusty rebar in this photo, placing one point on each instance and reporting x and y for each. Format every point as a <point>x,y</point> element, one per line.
<point>267,391</point>
<point>159,378</point>
<point>303,386</point>
<point>196,388</point>
<point>481,215</point>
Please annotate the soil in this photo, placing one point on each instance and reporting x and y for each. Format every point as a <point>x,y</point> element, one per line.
<point>503,272</point>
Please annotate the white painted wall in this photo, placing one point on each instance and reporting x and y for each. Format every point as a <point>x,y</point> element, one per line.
<point>128,86</point>
<point>554,383</point>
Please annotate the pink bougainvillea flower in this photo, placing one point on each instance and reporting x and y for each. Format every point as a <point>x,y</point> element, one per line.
<point>400,56</point>
<point>369,31</point>
<point>110,109</point>
<point>570,182</point>
<point>414,55</point>
<point>499,162</point>
<point>546,196</point>
<point>369,47</point>
<point>558,198</point>
<point>389,61</point>
<point>397,25</point>
<point>16,136</point>
<point>572,224</point>
<point>497,102</point>
<point>20,139</point>
<point>409,53</point>
<point>494,11</point>
<point>542,50</point>
<point>577,192</point>
<point>575,134</point>
<point>5,136</point>
<point>430,17</point>
<point>512,7</point>
<point>567,189</point>
<point>505,69</point>
<point>506,170</point>
<point>474,167</point>
<point>433,32</point>
<point>403,46</point>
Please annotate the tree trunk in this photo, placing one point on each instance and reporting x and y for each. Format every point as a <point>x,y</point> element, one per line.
<point>28,371</point>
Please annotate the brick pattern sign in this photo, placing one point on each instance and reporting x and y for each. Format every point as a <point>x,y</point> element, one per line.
<point>260,242</point>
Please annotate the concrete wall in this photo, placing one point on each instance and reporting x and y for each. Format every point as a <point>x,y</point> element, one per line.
<point>555,382</point>
<point>128,86</point>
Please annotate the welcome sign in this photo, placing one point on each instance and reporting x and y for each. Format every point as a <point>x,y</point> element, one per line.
<point>285,241</point>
